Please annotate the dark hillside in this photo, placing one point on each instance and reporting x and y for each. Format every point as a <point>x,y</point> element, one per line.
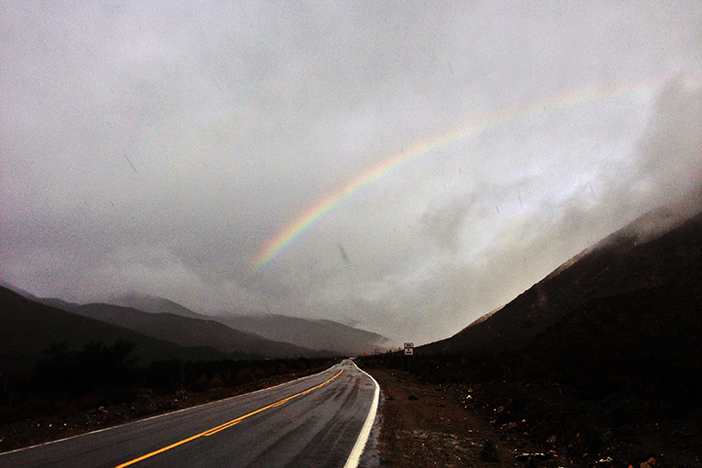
<point>29,327</point>
<point>307,335</point>
<point>620,266</point>
<point>647,342</point>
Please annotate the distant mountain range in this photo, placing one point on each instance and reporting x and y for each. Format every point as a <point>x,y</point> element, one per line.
<point>164,329</point>
<point>188,331</point>
<point>29,327</point>
<point>644,280</point>
<point>317,335</point>
<point>312,334</point>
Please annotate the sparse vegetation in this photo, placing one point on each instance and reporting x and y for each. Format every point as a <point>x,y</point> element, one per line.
<point>66,381</point>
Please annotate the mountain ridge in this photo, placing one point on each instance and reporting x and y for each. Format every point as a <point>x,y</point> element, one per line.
<point>315,334</point>
<point>311,333</point>
<point>623,262</point>
<point>29,327</point>
<point>188,331</point>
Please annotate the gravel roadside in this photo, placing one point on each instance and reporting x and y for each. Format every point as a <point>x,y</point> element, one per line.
<point>426,425</point>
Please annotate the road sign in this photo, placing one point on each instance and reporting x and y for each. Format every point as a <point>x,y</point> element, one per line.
<point>409,348</point>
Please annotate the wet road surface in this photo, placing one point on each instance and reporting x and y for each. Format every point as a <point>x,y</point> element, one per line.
<point>314,421</point>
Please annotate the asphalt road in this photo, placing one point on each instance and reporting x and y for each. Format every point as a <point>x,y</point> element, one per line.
<point>321,420</point>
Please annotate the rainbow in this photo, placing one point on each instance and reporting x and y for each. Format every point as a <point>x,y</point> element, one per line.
<point>580,96</point>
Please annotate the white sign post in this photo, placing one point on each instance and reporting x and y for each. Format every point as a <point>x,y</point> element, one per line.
<point>409,349</point>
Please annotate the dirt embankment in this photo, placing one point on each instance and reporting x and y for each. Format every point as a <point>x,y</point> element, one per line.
<point>430,425</point>
<point>425,425</point>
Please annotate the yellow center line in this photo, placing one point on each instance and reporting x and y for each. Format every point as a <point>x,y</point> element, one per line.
<point>228,424</point>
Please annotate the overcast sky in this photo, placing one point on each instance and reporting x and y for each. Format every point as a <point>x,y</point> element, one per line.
<point>161,147</point>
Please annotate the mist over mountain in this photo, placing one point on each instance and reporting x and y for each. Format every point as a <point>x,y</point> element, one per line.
<point>255,335</point>
<point>398,166</point>
<point>660,250</point>
<point>313,334</point>
<point>318,335</point>
<point>601,360</point>
<point>187,331</point>
<point>154,305</point>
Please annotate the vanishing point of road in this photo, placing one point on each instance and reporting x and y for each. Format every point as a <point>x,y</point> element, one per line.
<point>322,420</point>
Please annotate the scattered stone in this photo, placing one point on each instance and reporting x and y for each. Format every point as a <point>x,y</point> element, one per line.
<point>531,460</point>
<point>489,453</point>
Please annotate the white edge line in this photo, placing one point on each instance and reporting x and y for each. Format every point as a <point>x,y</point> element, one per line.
<point>164,414</point>
<point>360,445</point>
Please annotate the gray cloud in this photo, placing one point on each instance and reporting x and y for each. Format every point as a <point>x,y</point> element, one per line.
<point>157,147</point>
<point>671,152</point>
<point>443,224</point>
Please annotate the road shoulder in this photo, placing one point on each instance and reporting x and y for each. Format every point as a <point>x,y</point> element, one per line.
<point>426,425</point>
